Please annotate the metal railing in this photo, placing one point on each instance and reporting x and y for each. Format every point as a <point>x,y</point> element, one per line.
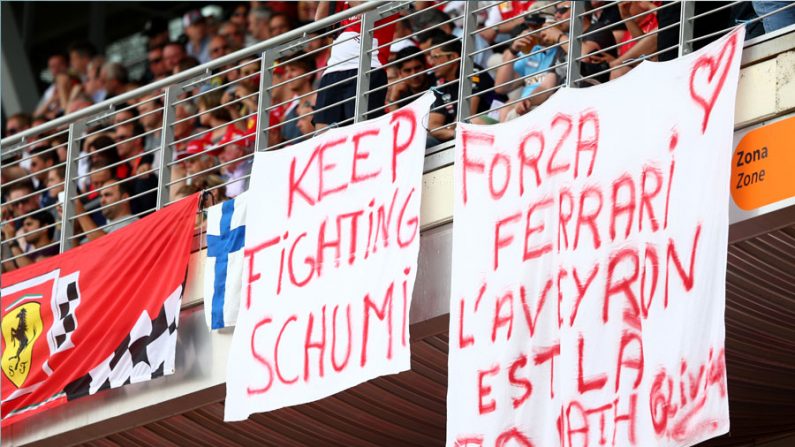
<point>197,130</point>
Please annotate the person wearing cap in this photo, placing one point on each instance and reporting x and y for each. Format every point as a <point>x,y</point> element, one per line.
<point>198,45</point>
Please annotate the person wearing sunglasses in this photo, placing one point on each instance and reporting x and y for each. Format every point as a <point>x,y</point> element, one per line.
<point>17,123</point>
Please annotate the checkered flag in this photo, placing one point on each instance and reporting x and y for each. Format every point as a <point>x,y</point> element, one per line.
<point>67,298</point>
<point>145,353</point>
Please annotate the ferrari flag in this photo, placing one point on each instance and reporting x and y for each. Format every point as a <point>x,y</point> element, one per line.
<point>99,316</point>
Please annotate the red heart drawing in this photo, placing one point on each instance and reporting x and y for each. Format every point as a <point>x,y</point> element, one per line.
<point>713,65</point>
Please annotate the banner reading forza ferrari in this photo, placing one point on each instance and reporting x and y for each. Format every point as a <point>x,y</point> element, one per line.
<point>589,261</point>
<point>99,316</point>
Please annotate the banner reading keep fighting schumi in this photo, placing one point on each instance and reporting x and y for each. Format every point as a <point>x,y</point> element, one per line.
<point>332,238</point>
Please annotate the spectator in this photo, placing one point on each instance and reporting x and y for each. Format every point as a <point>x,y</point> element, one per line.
<point>173,54</point>
<point>437,23</point>
<point>213,117</point>
<point>259,25</point>
<point>195,25</point>
<point>55,180</point>
<point>50,102</point>
<point>186,64</point>
<point>445,63</point>
<point>38,230</point>
<point>234,36</point>
<point>219,47</point>
<point>280,23</point>
<point>17,123</point>
<point>401,38</point>
<point>114,78</point>
<point>22,198</point>
<point>93,86</point>
<point>43,157</point>
<point>239,18</point>
<point>336,104</point>
<point>502,18</point>
<point>156,65</point>
<point>39,233</point>
<point>129,145</point>
<point>101,152</point>
<point>608,17</point>
<point>78,102</point>
<point>593,41</point>
<point>411,67</point>
<point>116,207</point>
<point>118,210</point>
<point>530,58</point>
<point>184,125</point>
<point>304,111</point>
<point>637,27</point>
<point>299,83</point>
<point>150,110</point>
<point>80,54</point>
<point>306,11</point>
<point>235,163</point>
<point>156,31</point>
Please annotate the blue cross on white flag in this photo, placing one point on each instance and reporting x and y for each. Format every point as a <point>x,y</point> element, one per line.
<point>223,269</point>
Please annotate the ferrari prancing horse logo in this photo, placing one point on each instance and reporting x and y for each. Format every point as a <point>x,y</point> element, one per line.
<point>21,328</point>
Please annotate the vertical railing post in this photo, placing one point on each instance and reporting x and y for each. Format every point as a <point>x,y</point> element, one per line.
<point>575,45</point>
<point>166,148</point>
<point>70,184</point>
<point>686,24</point>
<point>365,59</point>
<point>265,98</point>
<point>467,64</point>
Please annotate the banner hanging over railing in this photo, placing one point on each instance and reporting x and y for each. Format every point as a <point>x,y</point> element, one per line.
<point>589,261</point>
<point>100,316</point>
<point>331,245</point>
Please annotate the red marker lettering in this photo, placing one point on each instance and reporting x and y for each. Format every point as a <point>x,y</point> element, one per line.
<point>358,155</point>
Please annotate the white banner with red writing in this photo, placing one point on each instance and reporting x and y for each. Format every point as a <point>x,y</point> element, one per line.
<point>98,316</point>
<point>589,262</point>
<point>331,245</point>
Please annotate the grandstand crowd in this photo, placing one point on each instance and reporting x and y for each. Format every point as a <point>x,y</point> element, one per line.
<point>519,59</point>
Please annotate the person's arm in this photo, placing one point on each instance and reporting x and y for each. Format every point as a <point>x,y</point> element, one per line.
<point>554,36</point>
<point>644,46</point>
<point>435,121</point>
<point>90,228</point>
<point>506,77</point>
<point>474,103</point>
<point>20,260</point>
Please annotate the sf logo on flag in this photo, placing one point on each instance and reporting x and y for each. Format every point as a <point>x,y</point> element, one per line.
<point>42,305</point>
<point>21,328</point>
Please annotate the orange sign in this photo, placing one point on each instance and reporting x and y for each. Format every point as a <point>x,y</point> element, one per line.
<point>763,165</point>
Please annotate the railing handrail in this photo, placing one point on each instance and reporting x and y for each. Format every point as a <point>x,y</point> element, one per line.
<point>253,50</point>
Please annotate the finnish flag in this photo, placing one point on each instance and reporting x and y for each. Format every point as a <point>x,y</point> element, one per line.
<point>223,268</point>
